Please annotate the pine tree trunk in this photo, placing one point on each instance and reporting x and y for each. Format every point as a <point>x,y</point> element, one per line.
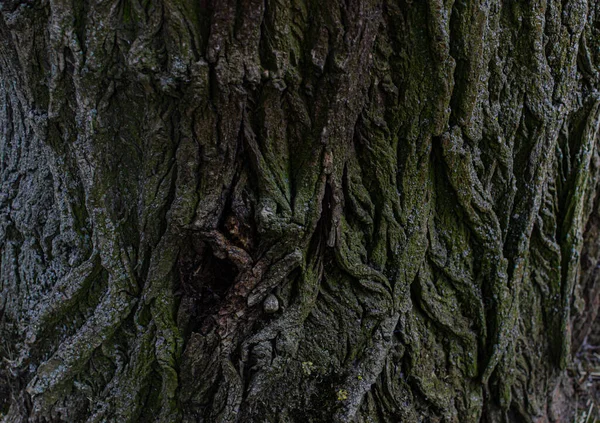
<point>296,210</point>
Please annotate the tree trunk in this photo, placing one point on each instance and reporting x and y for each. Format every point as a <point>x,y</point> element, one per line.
<point>296,210</point>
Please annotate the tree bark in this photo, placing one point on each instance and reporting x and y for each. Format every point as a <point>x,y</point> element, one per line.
<point>296,210</point>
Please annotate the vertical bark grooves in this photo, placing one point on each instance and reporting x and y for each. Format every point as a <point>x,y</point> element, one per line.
<point>296,210</point>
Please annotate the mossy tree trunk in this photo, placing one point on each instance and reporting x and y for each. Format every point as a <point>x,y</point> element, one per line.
<point>296,210</point>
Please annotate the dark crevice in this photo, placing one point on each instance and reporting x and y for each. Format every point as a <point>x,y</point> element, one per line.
<point>205,278</point>
<point>319,240</point>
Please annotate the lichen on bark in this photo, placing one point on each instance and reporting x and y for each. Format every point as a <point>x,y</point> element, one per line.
<point>296,210</point>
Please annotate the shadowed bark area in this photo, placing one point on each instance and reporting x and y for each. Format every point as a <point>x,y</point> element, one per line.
<point>296,210</point>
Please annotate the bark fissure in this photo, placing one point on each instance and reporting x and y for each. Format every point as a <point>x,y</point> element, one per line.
<point>296,210</point>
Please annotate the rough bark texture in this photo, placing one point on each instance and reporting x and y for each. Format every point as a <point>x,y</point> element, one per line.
<point>296,210</point>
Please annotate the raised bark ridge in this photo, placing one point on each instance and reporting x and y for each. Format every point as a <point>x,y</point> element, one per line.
<point>283,211</point>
